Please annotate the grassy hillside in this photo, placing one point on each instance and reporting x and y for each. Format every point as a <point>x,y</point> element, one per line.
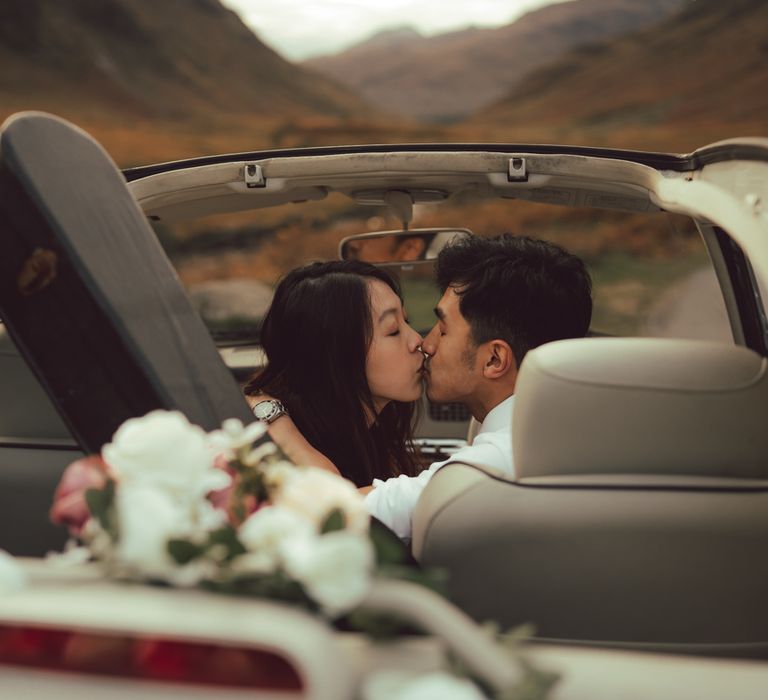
<point>157,80</point>
<point>696,78</point>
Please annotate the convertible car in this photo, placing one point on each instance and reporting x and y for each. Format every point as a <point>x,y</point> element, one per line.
<point>634,535</point>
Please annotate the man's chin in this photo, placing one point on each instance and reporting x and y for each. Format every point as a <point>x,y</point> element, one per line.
<point>435,396</point>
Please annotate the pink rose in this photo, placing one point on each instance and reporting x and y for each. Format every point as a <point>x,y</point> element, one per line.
<point>226,499</point>
<point>221,498</point>
<point>69,506</point>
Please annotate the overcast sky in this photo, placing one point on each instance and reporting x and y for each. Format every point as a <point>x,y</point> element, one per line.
<point>300,29</point>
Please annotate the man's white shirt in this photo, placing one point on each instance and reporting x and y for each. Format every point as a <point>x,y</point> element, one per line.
<point>392,501</point>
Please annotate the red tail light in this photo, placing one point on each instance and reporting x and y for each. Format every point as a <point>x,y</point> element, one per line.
<point>148,658</point>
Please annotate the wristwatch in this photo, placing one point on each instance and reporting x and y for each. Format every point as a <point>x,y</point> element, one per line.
<point>269,410</point>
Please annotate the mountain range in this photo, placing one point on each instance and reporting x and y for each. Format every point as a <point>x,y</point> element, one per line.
<point>449,76</point>
<point>165,79</point>
<point>703,71</point>
<point>164,59</point>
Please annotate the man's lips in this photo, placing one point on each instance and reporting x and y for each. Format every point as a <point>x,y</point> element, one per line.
<point>424,366</point>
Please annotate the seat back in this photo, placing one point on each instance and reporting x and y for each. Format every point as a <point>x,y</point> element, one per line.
<point>620,528</point>
<point>88,295</point>
<point>642,406</point>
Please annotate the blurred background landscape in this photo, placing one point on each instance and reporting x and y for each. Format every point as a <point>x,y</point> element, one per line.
<point>175,79</point>
<point>164,80</point>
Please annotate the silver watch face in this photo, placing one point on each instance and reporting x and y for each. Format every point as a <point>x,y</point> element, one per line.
<point>268,410</point>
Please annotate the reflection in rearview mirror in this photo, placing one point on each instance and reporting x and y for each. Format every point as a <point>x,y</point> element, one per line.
<point>399,247</point>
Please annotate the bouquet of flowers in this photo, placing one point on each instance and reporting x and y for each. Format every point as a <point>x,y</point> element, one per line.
<point>167,502</point>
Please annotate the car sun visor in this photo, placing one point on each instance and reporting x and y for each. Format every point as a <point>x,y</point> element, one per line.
<point>88,294</point>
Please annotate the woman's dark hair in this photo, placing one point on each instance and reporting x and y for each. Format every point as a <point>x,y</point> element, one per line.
<point>316,337</point>
<point>523,290</point>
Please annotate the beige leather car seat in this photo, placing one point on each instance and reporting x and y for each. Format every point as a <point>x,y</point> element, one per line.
<point>639,515</point>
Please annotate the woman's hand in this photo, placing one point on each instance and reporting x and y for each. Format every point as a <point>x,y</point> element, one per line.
<point>289,439</point>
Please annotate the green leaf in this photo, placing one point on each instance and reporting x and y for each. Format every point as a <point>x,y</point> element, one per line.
<point>390,549</point>
<point>275,586</point>
<point>520,633</point>
<point>227,536</point>
<point>433,578</point>
<point>336,520</point>
<point>99,502</point>
<point>184,551</point>
<point>251,483</point>
<point>379,626</point>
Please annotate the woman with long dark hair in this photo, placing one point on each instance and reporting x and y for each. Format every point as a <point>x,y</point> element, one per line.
<point>345,365</point>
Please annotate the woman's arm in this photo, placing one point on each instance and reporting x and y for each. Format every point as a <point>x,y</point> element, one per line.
<point>289,439</point>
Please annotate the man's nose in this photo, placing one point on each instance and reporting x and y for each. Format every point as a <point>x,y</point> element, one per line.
<point>429,345</point>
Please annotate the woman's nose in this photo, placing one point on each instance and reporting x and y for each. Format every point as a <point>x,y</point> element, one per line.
<point>415,341</point>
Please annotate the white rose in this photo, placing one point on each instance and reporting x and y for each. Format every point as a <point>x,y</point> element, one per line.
<point>254,563</point>
<point>254,458</point>
<point>165,450</point>
<point>147,519</point>
<point>335,569</point>
<point>438,685</point>
<point>73,555</point>
<point>315,493</point>
<point>12,576</point>
<point>234,435</point>
<point>265,529</point>
<point>204,517</point>
<point>277,473</point>
<point>193,573</point>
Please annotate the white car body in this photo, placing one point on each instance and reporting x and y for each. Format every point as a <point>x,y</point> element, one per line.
<point>724,187</point>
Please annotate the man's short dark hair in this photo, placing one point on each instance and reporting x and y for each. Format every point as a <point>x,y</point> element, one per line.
<point>519,289</point>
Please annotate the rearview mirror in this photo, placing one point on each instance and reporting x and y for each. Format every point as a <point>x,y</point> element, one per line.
<point>399,247</point>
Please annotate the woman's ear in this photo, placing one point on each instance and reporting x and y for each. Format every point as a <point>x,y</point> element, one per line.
<point>500,361</point>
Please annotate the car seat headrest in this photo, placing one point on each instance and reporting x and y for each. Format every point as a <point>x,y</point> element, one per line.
<point>642,406</point>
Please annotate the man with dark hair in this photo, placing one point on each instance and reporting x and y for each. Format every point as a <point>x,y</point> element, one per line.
<point>386,248</point>
<point>501,297</point>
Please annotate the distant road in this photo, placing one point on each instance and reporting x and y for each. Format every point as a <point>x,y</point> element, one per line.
<point>692,308</point>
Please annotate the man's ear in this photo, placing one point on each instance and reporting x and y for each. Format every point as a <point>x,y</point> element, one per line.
<point>499,361</point>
